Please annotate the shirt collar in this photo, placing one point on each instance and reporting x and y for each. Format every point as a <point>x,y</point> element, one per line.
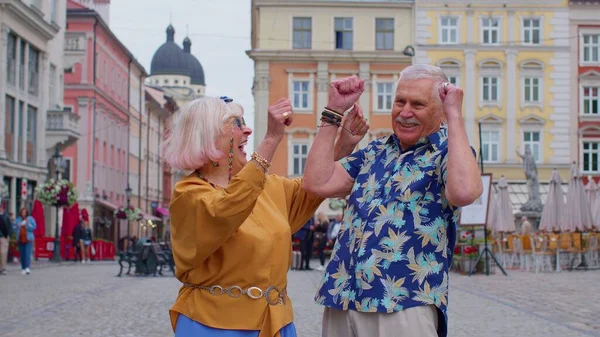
<point>435,138</point>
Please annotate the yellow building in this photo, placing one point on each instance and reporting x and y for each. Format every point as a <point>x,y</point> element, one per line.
<point>299,46</point>
<point>512,60</point>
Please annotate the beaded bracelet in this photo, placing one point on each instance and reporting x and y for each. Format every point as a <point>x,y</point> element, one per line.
<point>261,161</point>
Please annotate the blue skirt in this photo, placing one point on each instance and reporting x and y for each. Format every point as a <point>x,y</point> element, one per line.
<point>188,328</point>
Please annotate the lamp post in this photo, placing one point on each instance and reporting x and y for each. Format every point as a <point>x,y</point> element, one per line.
<point>128,195</point>
<point>58,167</point>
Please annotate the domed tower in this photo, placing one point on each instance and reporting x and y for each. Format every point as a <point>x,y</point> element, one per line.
<point>169,64</point>
<point>194,68</point>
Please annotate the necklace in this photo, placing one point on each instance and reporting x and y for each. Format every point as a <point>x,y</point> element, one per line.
<point>203,178</point>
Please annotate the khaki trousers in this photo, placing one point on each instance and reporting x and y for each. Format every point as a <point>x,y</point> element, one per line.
<point>413,322</point>
<point>3,252</point>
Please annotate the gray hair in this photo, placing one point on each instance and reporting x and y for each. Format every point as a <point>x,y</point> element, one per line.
<point>419,71</point>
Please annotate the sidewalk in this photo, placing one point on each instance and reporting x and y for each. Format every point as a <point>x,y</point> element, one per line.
<point>45,263</point>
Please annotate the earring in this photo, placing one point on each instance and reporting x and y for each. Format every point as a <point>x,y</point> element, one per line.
<point>215,164</point>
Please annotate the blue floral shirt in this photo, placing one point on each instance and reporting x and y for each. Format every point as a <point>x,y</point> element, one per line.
<point>395,245</point>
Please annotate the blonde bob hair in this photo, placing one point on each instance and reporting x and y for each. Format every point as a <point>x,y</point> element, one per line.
<point>191,139</point>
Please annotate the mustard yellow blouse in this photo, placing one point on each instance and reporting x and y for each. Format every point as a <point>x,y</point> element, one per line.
<point>237,236</point>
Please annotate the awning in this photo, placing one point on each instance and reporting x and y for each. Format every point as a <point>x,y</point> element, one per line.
<point>107,204</point>
<point>162,212</point>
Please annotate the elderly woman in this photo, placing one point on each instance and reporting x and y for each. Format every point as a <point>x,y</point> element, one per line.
<point>231,222</point>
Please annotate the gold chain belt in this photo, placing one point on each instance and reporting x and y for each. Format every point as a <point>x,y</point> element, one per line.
<point>272,294</point>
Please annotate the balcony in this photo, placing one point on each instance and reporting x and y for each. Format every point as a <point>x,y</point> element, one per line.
<point>62,127</point>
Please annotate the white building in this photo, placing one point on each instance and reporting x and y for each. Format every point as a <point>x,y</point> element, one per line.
<point>31,87</point>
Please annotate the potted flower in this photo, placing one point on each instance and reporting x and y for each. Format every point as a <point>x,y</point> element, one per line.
<point>3,190</point>
<point>469,257</point>
<point>128,213</point>
<point>57,193</point>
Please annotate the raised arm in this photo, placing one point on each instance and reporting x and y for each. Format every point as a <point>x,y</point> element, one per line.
<point>203,218</point>
<point>463,178</point>
<point>323,175</point>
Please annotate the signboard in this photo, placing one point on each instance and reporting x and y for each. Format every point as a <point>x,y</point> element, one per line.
<point>476,213</point>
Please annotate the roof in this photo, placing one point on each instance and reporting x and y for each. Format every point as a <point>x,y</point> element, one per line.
<point>170,59</point>
<point>90,13</point>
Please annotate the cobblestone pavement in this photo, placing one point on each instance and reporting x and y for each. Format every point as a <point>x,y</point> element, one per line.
<point>88,300</point>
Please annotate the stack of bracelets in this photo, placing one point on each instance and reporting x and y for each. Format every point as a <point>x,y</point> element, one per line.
<point>331,117</point>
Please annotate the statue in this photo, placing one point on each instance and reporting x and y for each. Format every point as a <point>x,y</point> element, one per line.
<point>534,203</point>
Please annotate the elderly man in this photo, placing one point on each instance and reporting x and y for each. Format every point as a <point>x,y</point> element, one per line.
<point>389,272</point>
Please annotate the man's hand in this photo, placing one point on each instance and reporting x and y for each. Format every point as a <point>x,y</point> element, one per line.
<point>343,93</point>
<point>354,127</point>
<point>452,99</point>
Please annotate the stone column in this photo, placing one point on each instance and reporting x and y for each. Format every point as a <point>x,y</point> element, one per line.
<point>15,143</point>
<point>13,196</point>
<point>470,27</point>
<point>470,98</point>
<point>44,94</point>
<point>3,84</point>
<point>511,105</point>
<point>364,72</point>
<point>322,89</point>
<point>83,150</point>
<point>512,37</point>
<point>262,81</point>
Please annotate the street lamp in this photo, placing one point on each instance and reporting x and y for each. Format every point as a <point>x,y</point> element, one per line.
<point>58,167</point>
<point>128,195</point>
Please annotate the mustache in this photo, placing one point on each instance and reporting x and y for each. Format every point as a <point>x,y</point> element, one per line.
<point>407,121</point>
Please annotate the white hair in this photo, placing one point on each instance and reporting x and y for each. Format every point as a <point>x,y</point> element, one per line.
<point>192,136</point>
<point>420,71</point>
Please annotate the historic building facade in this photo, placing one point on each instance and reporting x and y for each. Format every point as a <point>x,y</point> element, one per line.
<point>512,60</point>
<point>584,30</point>
<point>34,120</point>
<point>298,48</point>
<point>99,73</point>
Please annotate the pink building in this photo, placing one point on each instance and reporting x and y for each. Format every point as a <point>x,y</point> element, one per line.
<point>99,71</point>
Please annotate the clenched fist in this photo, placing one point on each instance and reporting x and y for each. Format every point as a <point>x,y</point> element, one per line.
<point>343,93</point>
<point>280,116</point>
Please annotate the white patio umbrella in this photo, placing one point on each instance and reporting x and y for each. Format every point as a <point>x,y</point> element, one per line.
<point>492,217</point>
<point>578,216</point>
<point>591,191</point>
<point>553,213</point>
<point>504,217</point>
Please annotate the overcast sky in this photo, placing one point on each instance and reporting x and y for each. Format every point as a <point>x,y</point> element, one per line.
<point>220,34</point>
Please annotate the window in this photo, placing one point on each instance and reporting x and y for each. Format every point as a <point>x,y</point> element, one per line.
<point>490,142</point>
<point>34,70</point>
<point>531,31</point>
<point>385,96</point>
<point>9,127</point>
<point>451,69</point>
<point>591,100</point>
<point>52,91</point>
<point>531,140</point>
<point>53,11</point>
<point>299,155</point>
<point>105,74</point>
<point>31,134</point>
<point>489,87</point>
<point>22,65</point>
<point>300,94</point>
<point>302,35</point>
<point>490,31</point>
<point>36,3</point>
<point>112,80</point>
<point>66,173</point>
<point>448,30</point>
<point>591,48</point>
<point>590,157</point>
<point>532,73</point>
<point>21,117</point>
<point>384,34</point>
<point>343,33</point>
<point>11,62</point>
<point>490,73</point>
<point>532,89</point>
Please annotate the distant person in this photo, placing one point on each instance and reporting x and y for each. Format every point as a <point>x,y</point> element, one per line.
<point>5,233</point>
<point>526,226</point>
<point>321,229</point>
<point>24,226</point>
